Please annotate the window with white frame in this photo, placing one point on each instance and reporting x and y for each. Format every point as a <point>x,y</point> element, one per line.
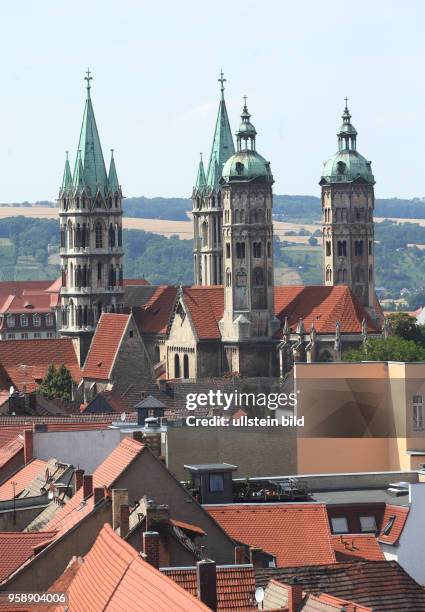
<point>37,335</point>
<point>339,524</point>
<point>49,320</point>
<point>24,336</point>
<point>24,321</point>
<point>10,336</point>
<point>11,321</point>
<point>50,334</point>
<point>36,319</point>
<point>368,524</point>
<point>418,412</point>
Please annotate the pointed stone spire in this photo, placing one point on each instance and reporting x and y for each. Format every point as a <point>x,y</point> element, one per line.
<point>300,327</point>
<point>67,176</point>
<point>201,181</point>
<point>222,147</point>
<point>78,180</point>
<point>113,183</point>
<point>94,170</point>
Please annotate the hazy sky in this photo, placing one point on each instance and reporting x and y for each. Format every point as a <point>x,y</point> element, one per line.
<point>155,90</point>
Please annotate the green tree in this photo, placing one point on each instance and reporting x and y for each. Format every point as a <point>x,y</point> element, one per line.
<point>405,326</point>
<point>393,348</point>
<point>57,384</point>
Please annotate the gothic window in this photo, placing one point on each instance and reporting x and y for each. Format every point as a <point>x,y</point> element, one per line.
<point>121,280</point>
<point>98,202</point>
<point>370,274</point>
<point>99,235</point>
<point>70,243</point>
<point>205,234</point>
<point>78,235</point>
<point>84,236</point>
<point>328,248</point>
<point>258,277</point>
<point>99,273</point>
<point>269,276</point>
<point>110,202</point>
<point>256,249</point>
<point>228,278</point>
<point>77,202</point>
<point>358,248</point>
<point>84,201</point>
<point>176,366</point>
<point>370,247</point>
<point>342,248</point>
<point>227,250</point>
<point>213,202</point>
<point>116,201</point>
<point>111,235</point>
<point>328,275</point>
<point>240,250</point>
<point>63,239</point>
<point>269,249</point>
<point>119,235</point>
<point>359,275</point>
<point>185,366</point>
<point>241,278</point>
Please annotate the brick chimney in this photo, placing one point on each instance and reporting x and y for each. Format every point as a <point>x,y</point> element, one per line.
<point>87,485</point>
<point>124,519</point>
<point>206,583</point>
<point>78,480</point>
<point>28,446</point>
<point>151,547</point>
<point>119,498</point>
<point>98,494</point>
<point>295,594</point>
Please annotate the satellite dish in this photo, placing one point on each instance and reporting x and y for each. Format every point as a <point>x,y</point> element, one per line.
<point>259,595</point>
<point>123,416</point>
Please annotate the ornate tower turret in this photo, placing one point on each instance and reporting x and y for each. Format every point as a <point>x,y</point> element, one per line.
<point>248,323</point>
<point>347,216</point>
<point>91,251</point>
<point>207,205</point>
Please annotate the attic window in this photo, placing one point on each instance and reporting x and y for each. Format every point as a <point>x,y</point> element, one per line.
<point>387,529</point>
<point>339,524</point>
<point>368,524</point>
<point>341,167</point>
<point>131,333</point>
<point>239,167</point>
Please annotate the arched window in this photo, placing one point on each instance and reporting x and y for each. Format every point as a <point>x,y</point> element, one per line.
<point>328,248</point>
<point>256,247</point>
<point>78,235</point>
<point>70,243</point>
<point>227,250</point>
<point>240,250</point>
<point>176,366</point>
<point>370,274</point>
<point>258,277</point>
<point>119,235</point>
<point>205,234</point>
<point>99,235</point>
<point>241,278</point>
<point>111,235</point>
<point>328,274</point>
<point>99,274</point>
<point>228,278</point>
<point>185,366</point>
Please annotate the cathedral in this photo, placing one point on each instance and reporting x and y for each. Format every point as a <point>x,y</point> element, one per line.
<point>234,320</point>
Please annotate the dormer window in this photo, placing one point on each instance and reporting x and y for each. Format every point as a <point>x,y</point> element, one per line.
<point>49,320</point>
<point>11,321</point>
<point>36,319</point>
<point>24,321</point>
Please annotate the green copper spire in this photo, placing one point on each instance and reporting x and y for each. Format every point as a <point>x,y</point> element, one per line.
<point>67,177</point>
<point>113,183</point>
<point>78,180</point>
<point>201,181</point>
<point>222,147</point>
<point>91,156</point>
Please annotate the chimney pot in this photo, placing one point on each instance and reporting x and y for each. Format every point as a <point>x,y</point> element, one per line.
<point>206,579</point>
<point>28,446</point>
<point>151,547</point>
<point>78,480</point>
<point>87,485</point>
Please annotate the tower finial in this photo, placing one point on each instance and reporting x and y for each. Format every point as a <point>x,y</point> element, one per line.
<point>346,103</point>
<point>112,152</point>
<point>244,101</point>
<point>222,80</point>
<point>88,78</point>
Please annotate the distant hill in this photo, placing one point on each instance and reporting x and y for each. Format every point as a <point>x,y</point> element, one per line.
<point>294,208</point>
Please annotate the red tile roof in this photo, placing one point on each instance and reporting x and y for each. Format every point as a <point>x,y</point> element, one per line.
<point>154,316</point>
<point>295,533</point>
<point>22,478</point>
<point>105,345</point>
<point>114,577</point>
<point>361,546</point>
<point>26,361</point>
<point>400,514</point>
<point>135,281</point>
<point>105,475</point>
<point>10,450</point>
<point>322,305</point>
<point>235,585</point>
<point>17,547</point>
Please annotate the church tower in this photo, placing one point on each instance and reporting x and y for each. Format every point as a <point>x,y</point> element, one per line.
<point>207,204</point>
<point>347,215</point>
<point>90,213</point>
<point>249,322</point>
